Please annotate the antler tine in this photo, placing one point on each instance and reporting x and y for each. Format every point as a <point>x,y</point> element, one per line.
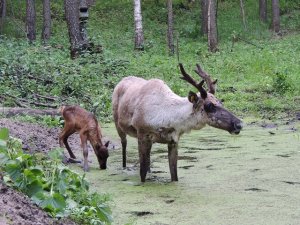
<point>189,79</point>
<point>210,84</point>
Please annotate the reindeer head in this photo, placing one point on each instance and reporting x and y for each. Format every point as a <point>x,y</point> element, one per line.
<point>208,105</point>
<point>102,154</point>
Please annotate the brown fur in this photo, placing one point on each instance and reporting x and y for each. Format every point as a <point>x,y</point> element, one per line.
<point>79,120</point>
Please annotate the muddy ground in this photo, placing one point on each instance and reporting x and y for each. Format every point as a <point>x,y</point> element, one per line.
<point>253,178</point>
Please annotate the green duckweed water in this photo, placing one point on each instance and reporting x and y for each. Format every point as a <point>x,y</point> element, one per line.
<point>252,178</point>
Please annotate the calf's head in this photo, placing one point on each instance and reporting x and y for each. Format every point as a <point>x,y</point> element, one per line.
<point>102,155</point>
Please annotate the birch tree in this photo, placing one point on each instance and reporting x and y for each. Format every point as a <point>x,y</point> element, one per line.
<point>139,36</point>
<point>170,35</point>
<point>212,26</point>
<point>242,6</point>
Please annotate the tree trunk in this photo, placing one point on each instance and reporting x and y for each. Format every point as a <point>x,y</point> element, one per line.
<point>212,26</point>
<point>263,10</point>
<point>139,36</point>
<point>275,16</point>
<point>90,2</point>
<point>2,14</point>
<point>203,17</point>
<point>47,21</point>
<point>83,16</point>
<point>72,18</point>
<point>170,27</point>
<point>243,13</point>
<point>30,20</point>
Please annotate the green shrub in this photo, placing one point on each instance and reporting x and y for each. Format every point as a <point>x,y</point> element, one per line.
<point>51,185</point>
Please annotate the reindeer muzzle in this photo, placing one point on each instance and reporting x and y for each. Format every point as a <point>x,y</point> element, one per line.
<point>237,127</point>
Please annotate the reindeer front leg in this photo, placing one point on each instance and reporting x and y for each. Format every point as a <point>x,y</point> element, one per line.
<point>144,146</point>
<point>172,155</point>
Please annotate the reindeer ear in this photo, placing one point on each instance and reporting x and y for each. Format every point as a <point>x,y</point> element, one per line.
<point>193,98</point>
<point>106,144</point>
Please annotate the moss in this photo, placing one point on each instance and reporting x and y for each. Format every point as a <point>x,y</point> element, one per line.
<point>247,176</point>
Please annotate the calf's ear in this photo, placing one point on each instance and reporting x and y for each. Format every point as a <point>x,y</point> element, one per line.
<point>106,144</point>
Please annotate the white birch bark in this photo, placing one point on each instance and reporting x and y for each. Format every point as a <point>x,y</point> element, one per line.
<point>212,26</point>
<point>139,36</point>
<point>170,27</point>
<point>243,14</point>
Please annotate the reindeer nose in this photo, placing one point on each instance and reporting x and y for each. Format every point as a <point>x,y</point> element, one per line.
<point>238,126</point>
<point>103,167</point>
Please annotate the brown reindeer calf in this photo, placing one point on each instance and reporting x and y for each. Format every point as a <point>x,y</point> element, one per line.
<point>79,120</point>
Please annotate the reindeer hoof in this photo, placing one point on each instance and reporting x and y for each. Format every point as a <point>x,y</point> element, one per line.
<point>72,160</point>
<point>86,168</point>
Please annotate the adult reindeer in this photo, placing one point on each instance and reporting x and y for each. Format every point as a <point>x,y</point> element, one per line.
<point>150,111</point>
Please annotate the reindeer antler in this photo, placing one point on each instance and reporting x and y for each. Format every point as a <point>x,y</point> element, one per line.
<point>210,84</point>
<point>190,80</point>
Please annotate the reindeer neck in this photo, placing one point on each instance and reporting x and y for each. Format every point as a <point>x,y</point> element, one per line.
<point>95,137</point>
<point>178,114</point>
<point>187,118</point>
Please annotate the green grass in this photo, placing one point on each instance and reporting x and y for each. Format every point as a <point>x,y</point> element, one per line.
<point>256,77</point>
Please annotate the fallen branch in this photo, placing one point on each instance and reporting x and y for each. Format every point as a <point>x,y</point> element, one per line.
<point>9,112</point>
<point>44,81</point>
<point>236,38</point>
<point>50,98</point>
<point>20,102</point>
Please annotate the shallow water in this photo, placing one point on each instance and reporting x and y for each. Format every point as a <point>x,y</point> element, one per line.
<point>252,178</point>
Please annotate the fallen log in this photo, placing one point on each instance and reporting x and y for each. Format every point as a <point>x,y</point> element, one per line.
<point>9,112</point>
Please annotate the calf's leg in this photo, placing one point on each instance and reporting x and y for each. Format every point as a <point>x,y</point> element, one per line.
<point>63,139</point>
<point>83,139</point>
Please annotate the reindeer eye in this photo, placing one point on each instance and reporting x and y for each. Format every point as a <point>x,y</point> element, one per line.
<point>209,107</point>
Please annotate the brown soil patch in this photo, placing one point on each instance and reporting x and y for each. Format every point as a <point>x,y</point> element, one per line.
<point>16,208</point>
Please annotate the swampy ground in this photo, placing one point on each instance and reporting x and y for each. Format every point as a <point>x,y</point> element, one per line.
<point>251,178</point>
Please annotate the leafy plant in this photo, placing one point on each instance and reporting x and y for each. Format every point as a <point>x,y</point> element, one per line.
<point>281,83</point>
<point>51,185</point>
